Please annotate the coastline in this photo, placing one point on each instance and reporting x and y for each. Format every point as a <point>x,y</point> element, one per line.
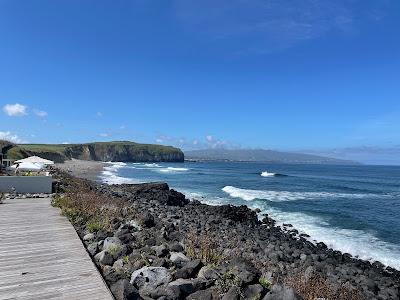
<point>275,252</point>
<point>84,169</point>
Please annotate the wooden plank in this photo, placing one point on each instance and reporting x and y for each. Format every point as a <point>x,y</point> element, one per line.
<point>42,257</point>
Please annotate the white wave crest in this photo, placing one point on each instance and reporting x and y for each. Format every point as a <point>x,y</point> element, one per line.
<point>278,196</point>
<point>359,243</point>
<point>173,170</point>
<point>153,165</point>
<point>109,175</point>
<point>267,174</point>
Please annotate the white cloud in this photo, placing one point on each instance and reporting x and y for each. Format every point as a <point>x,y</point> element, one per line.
<point>99,114</point>
<point>104,134</point>
<point>40,113</point>
<point>65,143</point>
<point>209,138</point>
<point>8,136</point>
<point>159,140</point>
<point>15,110</point>
<point>122,127</point>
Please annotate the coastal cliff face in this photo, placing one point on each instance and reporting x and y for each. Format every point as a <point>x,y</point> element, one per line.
<point>129,152</point>
<point>101,151</point>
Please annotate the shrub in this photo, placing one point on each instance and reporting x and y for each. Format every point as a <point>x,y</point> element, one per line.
<point>203,247</point>
<point>93,226</point>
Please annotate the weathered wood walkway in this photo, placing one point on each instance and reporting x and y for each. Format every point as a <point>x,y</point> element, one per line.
<point>42,257</point>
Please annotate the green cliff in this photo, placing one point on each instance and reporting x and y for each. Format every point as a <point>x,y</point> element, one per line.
<point>101,151</point>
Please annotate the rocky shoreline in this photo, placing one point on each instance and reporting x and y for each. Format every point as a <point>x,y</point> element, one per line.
<point>156,244</point>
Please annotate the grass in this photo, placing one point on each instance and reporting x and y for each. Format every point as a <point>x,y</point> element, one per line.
<point>114,249</point>
<point>94,226</point>
<point>265,283</point>
<point>203,247</point>
<point>61,152</point>
<point>84,207</point>
<point>318,287</point>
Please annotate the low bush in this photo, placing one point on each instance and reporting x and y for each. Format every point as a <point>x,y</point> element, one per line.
<point>317,286</point>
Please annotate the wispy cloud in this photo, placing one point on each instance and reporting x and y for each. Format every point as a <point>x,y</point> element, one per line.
<point>207,142</point>
<point>40,113</point>
<point>104,134</point>
<point>15,110</point>
<point>265,26</point>
<point>8,136</point>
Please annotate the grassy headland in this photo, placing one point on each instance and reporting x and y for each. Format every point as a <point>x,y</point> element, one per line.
<point>98,151</point>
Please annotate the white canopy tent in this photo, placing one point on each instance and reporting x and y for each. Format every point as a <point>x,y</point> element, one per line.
<point>27,166</point>
<point>35,160</point>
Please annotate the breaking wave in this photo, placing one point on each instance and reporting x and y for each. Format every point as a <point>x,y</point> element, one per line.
<point>278,196</point>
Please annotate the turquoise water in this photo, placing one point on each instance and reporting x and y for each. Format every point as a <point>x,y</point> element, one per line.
<point>355,209</point>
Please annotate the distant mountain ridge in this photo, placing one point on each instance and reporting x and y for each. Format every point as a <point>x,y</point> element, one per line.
<point>261,155</point>
<point>124,151</point>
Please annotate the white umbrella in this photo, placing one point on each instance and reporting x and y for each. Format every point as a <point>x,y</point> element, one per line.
<point>26,166</point>
<point>35,159</point>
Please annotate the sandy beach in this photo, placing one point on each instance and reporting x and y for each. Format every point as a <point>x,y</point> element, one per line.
<point>82,168</point>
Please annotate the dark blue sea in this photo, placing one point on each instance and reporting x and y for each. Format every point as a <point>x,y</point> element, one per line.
<point>354,209</point>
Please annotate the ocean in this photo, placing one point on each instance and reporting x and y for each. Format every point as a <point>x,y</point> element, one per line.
<point>354,209</point>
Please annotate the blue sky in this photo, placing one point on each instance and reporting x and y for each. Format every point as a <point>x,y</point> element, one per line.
<point>310,75</point>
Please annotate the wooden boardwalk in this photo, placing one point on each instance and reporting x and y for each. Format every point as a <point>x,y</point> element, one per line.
<point>42,257</point>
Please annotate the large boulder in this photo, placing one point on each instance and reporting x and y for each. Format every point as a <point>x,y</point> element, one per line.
<point>281,292</point>
<point>123,290</point>
<point>179,258</point>
<point>244,270</point>
<point>189,269</point>
<point>184,285</point>
<point>150,277</point>
<point>104,258</point>
<point>111,243</point>
<point>154,191</point>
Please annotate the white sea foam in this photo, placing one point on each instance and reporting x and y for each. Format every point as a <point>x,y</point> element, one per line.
<point>277,196</point>
<point>153,165</point>
<point>117,164</point>
<point>109,175</point>
<point>173,170</point>
<point>359,243</point>
<point>267,174</point>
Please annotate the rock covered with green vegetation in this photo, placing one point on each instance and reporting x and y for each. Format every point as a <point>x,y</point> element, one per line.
<point>101,151</point>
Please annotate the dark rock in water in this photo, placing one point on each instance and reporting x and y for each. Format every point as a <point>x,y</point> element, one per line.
<point>281,292</point>
<point>123,290</point>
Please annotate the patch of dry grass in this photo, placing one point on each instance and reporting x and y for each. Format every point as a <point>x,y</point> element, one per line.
<point>85,207</point>
<point>203,247</point>
<point>318,287</point>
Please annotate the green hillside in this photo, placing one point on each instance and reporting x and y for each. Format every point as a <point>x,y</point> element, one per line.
<point>98,151</point>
